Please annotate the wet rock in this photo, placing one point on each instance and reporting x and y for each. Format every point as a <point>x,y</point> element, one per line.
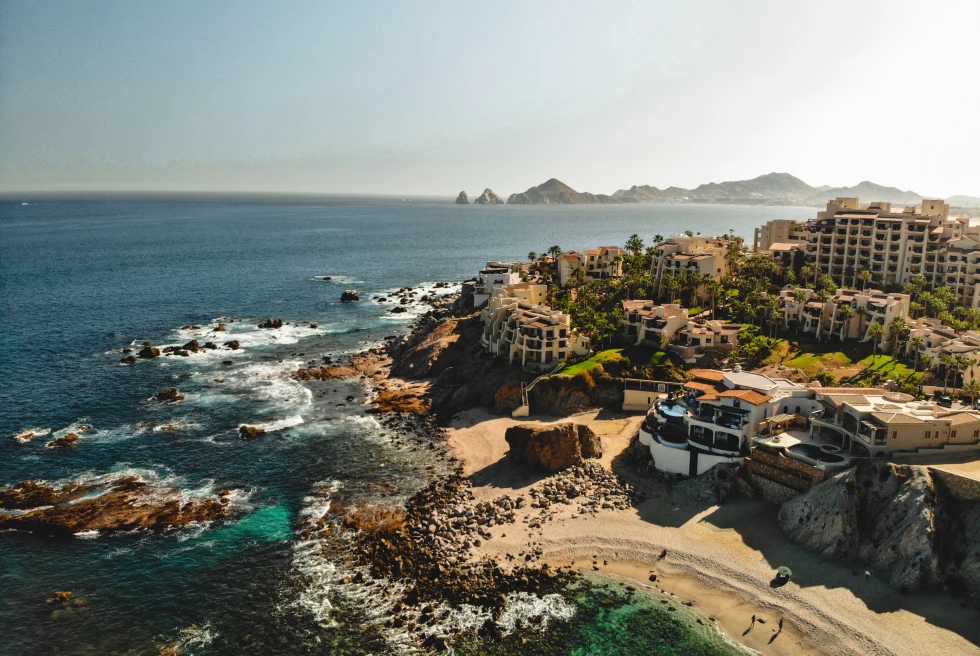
<point>271,323</point>
<point>191,346</point>
<point>350,295</point>
<point>169,395</point>
<point>398,309</point>
<point>61,442</point>
<point>220,328</point>
<point>233,344</point>
<point>149,352</point>
<point>129,359</point>
<point>250,432</point>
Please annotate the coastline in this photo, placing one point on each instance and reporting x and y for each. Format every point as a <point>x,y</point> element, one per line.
<point>721,558</point>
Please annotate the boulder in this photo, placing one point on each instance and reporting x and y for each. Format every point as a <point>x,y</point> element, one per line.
<point>350,295</point>
<point>398,310</point>
<point>552,448</point>
<point>62,442</point>
<point>250,432</point>
<point>170,395</point>
<point>271,323</point>
<point>149,352</point>
<point>462,199</point>
<point>488,198</point>
<point>233,345</point>
<point>191,346</point>
<point>129,359</point>
<point>220,328</point>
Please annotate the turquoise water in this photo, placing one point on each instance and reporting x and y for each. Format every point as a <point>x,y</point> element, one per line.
<point>82,279</point>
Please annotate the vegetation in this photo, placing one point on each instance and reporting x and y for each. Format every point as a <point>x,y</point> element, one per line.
<point>602,357</point>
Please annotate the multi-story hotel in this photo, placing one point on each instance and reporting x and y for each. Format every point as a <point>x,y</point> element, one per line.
<point>518,327</point>
<point>828,319</point>
<point>702,255</point>
<point>596,263</point>
<point>645,322</point>
<point>781,231</point>
<point>939,340</point>
<point>894,246</point>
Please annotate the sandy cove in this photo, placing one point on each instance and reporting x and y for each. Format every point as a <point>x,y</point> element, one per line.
<point>722,558</point>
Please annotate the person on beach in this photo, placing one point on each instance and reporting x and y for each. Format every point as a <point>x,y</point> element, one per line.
<point>751,626</point>
<point>663,554</point>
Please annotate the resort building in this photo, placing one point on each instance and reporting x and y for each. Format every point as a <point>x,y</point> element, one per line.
<point>647,323</point>
<point>527,333</point>
<point>710,334</point>
<point>939,340</point>
<point>781,231</point>
<point>830,319</point>
<point>786,256</point>
<point>494,276</point>
<point>873,422</point>
<point>595,263</point>
<point>702,255</point>
<point>719,413</point>
<point>895,245</point>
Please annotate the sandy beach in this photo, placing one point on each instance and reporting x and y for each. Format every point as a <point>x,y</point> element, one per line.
<point>721,558</point>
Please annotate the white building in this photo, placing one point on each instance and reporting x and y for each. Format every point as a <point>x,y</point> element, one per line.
<point>494,276</point>
<point>702,255</point>
<point>828,319</point>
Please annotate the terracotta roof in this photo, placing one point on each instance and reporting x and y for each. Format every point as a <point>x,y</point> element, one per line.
<point>707,374</point>
<point>749,396</point>
<point>896,418</point>
<point>961,418</point>
<point>703,387</point>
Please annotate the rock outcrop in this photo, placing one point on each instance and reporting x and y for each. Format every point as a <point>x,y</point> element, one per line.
<point>122,504</point>
<point>350,295</point>
<point>556,192</point>
<point>169,395</point>
<point>250,432</point>
<point>66,440</point>
<point>880,514</point>
<point>462,199</point>
<point>552,448</point>
<point>488,198</point>
<point>271,323</point>
<point>149,352</point>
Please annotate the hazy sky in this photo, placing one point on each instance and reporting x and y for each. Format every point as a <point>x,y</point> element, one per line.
<point>434,97</point>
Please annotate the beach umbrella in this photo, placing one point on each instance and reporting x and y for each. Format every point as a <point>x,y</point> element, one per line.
<point>784,572</point>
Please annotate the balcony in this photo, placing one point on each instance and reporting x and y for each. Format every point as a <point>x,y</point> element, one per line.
<point>720,443</point>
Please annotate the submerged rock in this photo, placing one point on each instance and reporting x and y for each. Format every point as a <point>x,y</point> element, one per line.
<point>122,504</point>
<point>552,448</point>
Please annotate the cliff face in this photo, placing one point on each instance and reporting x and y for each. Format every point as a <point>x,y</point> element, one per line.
<point>556,192</point>
<point>488,198</point>
<point>895,519</point>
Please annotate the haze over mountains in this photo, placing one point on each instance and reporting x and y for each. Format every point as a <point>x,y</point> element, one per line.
<point>769,189</point>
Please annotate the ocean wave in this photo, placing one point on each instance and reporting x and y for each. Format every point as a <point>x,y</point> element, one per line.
<point>28,434</point>
<point>279,424</point>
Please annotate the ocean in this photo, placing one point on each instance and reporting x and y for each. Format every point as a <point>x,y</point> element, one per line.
<point>80,280</point>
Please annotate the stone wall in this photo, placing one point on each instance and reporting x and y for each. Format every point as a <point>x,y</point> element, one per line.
<point>960,487</point>
<point>771,491</point>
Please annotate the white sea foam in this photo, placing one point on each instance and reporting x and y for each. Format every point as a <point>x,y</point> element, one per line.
<point>87,535</point>
<point>280,424</point>
<point>29,434</point>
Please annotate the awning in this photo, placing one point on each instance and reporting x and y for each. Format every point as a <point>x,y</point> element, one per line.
<point>781,419</point>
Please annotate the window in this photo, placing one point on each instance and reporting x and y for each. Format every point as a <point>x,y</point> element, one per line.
<point>928,435</point>
<point>952,434</point>
<point>735,403</point>
<point>797,409</point>
<point>894,435</point>
<point>976,433</point>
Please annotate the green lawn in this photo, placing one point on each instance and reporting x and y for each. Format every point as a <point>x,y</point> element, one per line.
<point>813,363</point>
<point>602,357</point>
<point>883,367</point>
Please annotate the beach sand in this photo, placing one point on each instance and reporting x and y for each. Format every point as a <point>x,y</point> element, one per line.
<point>720,557</point>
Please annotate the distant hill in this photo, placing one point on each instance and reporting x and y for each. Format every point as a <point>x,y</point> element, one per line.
<point>768,189</point>
<point>556,192</point>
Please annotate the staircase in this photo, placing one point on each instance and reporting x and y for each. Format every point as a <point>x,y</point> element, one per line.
<point>524,409</point>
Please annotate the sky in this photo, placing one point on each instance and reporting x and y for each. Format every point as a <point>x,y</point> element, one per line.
<point>435,97</point>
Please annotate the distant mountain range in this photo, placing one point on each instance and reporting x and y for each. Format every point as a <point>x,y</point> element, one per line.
<point>769,189</point>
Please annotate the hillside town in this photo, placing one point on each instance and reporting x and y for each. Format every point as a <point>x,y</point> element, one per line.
<point>853,335</point>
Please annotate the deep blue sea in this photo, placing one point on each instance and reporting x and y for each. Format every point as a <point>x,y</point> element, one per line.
<point>80,280</point>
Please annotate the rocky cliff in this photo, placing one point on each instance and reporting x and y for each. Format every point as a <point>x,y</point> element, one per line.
<point>556,192</point>
<point>552,448</point>
<point>462,199</point>
<point>488,198</point>
<point>897,520</point>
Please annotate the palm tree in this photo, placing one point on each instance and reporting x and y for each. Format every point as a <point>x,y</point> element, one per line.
<point>808,271</point>
<point>898,330</point>
<point>713,288</point>
<point>674,287</point>
<point>864,275</point>
<point>532,257</point>
<point>946,361</point>
<point>875,331</point>
<point>961,363</point>
<point>844,313</point>
<point>917,343</point>
<point>554,252</point>
<point>634,245</point>
<point>972,389</point>
<point>862,313</point>
<point>658,238</point>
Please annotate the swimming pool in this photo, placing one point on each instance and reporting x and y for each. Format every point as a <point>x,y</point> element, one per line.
<point>813,454</point>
